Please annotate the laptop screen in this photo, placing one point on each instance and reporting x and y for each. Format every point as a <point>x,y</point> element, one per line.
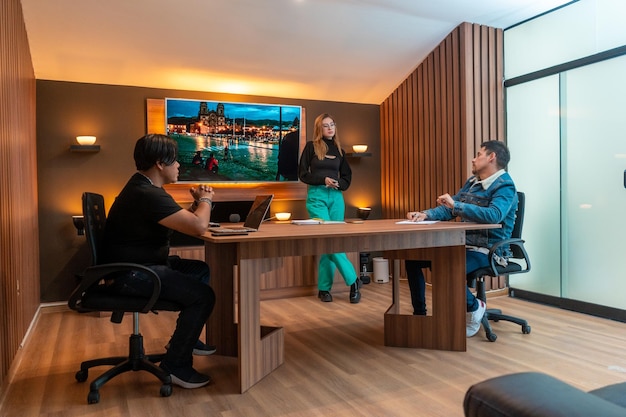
<point>257,212</point>
<point>230,211</point>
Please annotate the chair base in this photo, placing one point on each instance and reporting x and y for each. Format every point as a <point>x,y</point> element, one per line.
<point>136,361</point>
<point>496,315</point>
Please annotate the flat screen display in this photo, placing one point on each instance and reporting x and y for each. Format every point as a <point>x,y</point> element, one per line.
<point>221,141</point>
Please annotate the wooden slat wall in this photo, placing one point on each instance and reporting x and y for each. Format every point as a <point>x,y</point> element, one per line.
<point>19,245</point>
<point>433,123</point>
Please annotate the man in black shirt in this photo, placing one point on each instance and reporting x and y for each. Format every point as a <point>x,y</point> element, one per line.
<point>138,229</point>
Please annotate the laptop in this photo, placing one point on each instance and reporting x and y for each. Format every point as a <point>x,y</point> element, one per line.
<point>227,211</point>
<point>258,210</point>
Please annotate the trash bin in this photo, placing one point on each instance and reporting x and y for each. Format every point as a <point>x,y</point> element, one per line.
<point>381,270</point>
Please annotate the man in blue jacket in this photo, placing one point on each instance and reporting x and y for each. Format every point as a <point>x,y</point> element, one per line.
<point>489,196</point>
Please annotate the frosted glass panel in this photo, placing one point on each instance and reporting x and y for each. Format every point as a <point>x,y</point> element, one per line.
<point>572,32</point>
<point>533,139</point>
<point>594,144</point>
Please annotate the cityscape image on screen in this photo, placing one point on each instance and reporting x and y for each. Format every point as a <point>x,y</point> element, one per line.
<point>244,142</point>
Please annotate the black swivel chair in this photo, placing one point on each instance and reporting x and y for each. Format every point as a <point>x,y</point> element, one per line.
<point>519,263</point>
<point>96,293</point>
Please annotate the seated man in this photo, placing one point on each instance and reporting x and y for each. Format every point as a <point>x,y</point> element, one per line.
<point>489,196</point>
<point>138,229</point>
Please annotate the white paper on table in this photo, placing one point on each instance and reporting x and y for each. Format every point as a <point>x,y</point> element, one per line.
<point>421,222</point>
<point>316,221</point>
<point>306,221</point>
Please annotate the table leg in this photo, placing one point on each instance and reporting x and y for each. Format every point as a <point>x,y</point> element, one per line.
<point>445,328</point>
<point>221,326</point>
<point>261,348</point>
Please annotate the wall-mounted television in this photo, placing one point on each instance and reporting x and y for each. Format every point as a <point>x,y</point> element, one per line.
<point>222,141</point>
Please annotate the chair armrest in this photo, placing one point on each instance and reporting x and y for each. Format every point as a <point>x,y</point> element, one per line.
<point>95,274</point>
<point>533,394</point>
<point>518,243</point>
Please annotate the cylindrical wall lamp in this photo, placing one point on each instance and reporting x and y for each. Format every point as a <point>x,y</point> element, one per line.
<point>79,224</point>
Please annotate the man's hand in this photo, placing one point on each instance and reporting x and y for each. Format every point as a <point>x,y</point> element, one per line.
<point>416,216</point>
<point>205,191</point>
<point>445,200</point>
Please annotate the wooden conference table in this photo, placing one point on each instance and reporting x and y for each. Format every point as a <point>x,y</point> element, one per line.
<point>238,261</point>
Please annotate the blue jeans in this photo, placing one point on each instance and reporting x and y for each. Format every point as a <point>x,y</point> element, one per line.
<point>327,204</point>
<point>185,282</point>
<point>473,261</point>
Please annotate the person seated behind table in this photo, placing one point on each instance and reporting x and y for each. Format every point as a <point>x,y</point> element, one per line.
<point>489,196</point>
<point>212,164</point>
<point>138,230</point>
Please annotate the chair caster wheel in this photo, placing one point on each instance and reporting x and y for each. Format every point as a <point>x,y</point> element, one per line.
<point>526,329</point>
<point>492,337</point>
<point>166,390</point>
<point>93,397</point>
<point>81,376</point>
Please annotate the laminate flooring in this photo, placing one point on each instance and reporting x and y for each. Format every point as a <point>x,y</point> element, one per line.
<point>335,363</point>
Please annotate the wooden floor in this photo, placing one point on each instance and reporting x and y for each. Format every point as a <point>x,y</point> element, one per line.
<point>335,363</point>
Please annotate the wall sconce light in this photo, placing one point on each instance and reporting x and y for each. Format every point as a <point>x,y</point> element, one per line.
<point>363,212</point>
<point>283,217</point>
<point>79,224</point>
<point>358,151</point>
<point>86,140</point>
<point>85,144</point>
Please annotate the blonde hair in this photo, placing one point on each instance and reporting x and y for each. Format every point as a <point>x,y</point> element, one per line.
<point>319,145</point>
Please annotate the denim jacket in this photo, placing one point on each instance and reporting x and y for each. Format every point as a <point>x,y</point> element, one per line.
<point>496,204</point>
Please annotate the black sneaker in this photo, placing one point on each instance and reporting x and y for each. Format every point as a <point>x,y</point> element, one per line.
<point>200,348</point>
<point>186,377</point>
<point>325,296</point>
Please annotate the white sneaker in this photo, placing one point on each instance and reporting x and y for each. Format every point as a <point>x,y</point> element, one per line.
<point>473,319</point>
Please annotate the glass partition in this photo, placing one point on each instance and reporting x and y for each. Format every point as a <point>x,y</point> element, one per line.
<point>594,200</point>
<point>568,153</point>
<point>532,135</point>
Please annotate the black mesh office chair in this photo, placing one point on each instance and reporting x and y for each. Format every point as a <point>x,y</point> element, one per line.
<point>519,263</point>
<point>96,293</point>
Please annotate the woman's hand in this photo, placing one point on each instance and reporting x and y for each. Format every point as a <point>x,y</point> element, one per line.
<point>331,183</point>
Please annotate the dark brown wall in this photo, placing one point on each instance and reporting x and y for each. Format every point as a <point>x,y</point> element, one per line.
<point>19,250</point>
<point>117,116</point>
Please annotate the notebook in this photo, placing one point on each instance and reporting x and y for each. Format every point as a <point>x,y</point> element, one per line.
<point>255,217</point>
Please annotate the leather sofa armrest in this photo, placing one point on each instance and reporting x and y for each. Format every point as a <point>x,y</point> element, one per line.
<point>532,394</point>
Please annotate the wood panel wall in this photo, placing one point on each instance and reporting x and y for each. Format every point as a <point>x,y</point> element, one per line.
<point>433,123</point>
<point>19,245</point>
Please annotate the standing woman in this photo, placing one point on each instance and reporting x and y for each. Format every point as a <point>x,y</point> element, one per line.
<point>324,168</point>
